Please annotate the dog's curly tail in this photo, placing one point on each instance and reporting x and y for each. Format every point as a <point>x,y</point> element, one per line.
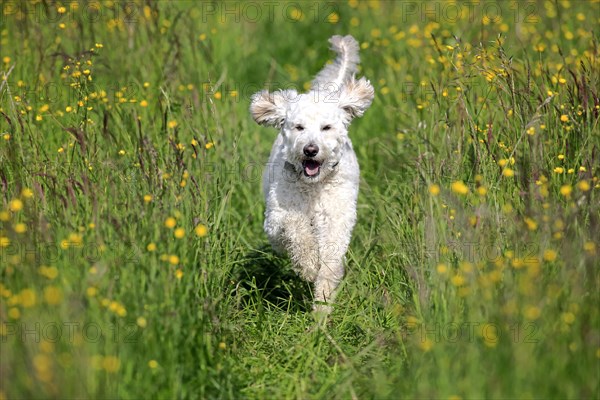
<point>333,76</point>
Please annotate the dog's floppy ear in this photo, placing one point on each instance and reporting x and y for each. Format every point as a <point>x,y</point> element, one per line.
<point>356,97</point>
<point>269,109</point>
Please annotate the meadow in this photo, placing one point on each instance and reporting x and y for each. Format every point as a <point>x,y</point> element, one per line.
<point>132,258</point>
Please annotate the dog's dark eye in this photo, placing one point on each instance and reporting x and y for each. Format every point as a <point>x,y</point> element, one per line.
<point>326,127</point>
<point>299,128</point>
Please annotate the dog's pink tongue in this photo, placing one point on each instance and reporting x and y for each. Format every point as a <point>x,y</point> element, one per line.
<point>311,168</point>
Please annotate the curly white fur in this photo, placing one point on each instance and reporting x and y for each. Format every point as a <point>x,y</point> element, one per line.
<point>312,177</point>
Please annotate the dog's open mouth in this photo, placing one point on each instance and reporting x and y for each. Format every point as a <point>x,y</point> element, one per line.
<point>311,168</point>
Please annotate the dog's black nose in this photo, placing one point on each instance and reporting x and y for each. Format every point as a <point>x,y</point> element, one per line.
<point>311,150</point>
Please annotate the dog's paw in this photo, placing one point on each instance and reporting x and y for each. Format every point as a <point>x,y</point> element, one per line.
<point>321,310</point>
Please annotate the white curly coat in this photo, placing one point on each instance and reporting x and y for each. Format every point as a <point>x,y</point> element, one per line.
<point>312,177</point>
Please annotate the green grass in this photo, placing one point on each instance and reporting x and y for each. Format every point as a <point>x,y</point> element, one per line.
<point>473,268</point>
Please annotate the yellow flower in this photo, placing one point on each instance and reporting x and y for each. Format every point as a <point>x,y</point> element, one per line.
<point>91,291</point>
<point>426,345</point>
<point>173,259</point>
<point>531,224</point>
<point>442,269</point>
<point>27,298</point>
<point>584,186</point>
<point>564,118</point>
<point>27,193</point>
<point>589,247</point>
<point>75,240</point>
<point>170,222</point>
<point>111,364</point>
<point>20,228</point>
<point>141,321</point>
<point>201,230</point>
<point>52,295</point>
<point>550,255</point>
<point>15,205</point>
<point>481,190</point>
<point>559,170</point>
<point>14,313</point>
<point>504,161</point>
<point>566,190</point>
<point>218,96</point>
<point>508,172</point>
<point>4,241</point>
<point>151,247</point>
<point>153,364</point>
<point>434,189</point>
<point>490,337</point>
<point>121,311</point>
<point>179,233</point>
<point>532,313</point>
<point>172,124</point>
<point>143,103</point>
<point>459,187</point>
<point>209,145</point>
<point>147,198</point>
<point>333,18</point>
<point>412,321</point>
<point>458,280</point>
<point>48,272</point>
<point>178,273</point>
<point>568,318</point>
<point>113,306</point>
<point>561,156</point>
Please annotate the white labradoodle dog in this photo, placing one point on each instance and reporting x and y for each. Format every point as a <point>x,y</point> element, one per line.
<point>311,180</point>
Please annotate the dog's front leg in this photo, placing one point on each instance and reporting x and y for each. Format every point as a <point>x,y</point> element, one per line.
<point>332,260</point>
<point>298,238</point>
<point>329,277</point>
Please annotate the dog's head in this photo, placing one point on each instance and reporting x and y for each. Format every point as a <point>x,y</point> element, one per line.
<point>314,125</point>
